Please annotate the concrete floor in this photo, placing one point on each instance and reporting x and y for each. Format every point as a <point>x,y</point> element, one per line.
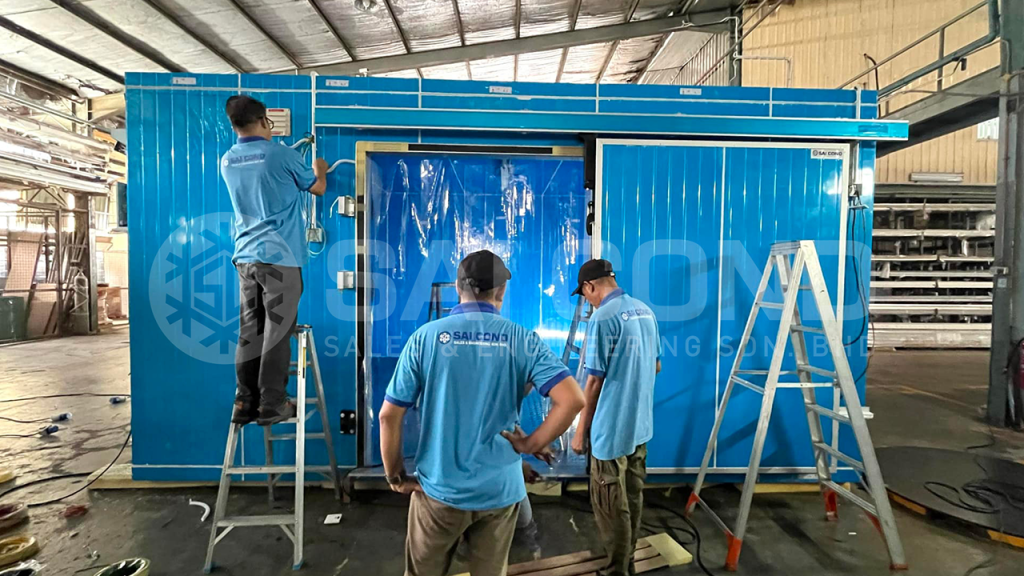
<point>919,398</point>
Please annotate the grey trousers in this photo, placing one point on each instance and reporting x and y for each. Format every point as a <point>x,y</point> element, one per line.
<point>269,304</point>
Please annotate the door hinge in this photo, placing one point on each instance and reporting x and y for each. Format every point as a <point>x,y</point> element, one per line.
<point>346,280</point>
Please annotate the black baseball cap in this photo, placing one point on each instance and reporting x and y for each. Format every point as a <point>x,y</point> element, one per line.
<point>483,270</point>
<point>592,270</point>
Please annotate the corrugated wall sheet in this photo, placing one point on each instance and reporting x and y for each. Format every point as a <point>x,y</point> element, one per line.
<point>827,41</point>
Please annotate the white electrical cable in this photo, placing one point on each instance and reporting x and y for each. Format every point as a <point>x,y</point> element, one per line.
<point>299,143</point>
<point>338,163</point>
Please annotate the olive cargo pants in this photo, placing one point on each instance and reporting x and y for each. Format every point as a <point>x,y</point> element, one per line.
<point>617,497</point>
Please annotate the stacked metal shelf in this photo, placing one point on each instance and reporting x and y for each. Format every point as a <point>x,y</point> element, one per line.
<point>932,252</point>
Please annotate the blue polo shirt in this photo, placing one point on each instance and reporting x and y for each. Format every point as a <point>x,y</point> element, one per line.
<point>623,346</point>
<point>266,181</point>
<point>469,371</point>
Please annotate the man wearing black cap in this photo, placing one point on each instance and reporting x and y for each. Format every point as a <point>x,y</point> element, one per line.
<point>469,373</point>
<point>622,358</point>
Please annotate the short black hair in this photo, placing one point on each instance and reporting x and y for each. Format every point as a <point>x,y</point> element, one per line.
<point>244,111</point>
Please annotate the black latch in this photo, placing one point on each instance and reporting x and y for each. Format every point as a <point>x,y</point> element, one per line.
<point>348,422</point>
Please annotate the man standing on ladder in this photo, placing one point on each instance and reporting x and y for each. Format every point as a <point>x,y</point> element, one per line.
<point>266,181</point>
<point>623,357</point>
<point>469,373</point>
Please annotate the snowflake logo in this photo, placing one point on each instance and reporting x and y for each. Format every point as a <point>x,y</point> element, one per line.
<point>624,316</point>
<point>444,337</point>
<point>193,287</point>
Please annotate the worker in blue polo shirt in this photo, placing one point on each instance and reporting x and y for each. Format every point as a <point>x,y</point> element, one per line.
<point>266,182</point>
<point>469,373</point>
<point>623,357</point>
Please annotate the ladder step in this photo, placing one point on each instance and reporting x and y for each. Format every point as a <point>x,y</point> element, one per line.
<point>746,384</point>
<point>268,520</point>
<point>261,470</point>
<point>771,305</point>
<point>718,521</point>
<point>806,384</point>
<point>827,413</point>
<point>311,400</point>
<point>309,436</point>
<point>867,506</point>
<point>857,464</point>
<point>808,329</point>
<point>815,370</point>
<point>805,287</point>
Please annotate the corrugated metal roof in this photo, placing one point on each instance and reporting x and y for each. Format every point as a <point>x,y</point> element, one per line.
<point>274,35</point>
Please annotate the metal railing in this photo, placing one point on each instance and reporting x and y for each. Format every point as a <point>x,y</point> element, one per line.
<point>943,59</point>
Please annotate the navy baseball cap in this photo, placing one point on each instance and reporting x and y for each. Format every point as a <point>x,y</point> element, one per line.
<point>593,270</point>
<point>483,270</point>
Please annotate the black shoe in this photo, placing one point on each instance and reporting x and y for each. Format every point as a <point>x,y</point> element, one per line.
<point>271,416</point>
<point>244,413</point>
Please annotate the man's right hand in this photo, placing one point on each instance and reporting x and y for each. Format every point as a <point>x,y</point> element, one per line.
<point>523,444</point>
<point>320,167</point>
<point>580,442</point>
<point>407,486</point>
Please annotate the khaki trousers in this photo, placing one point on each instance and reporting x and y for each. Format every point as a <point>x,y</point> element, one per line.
<point>617,497</point>
<point>436,528</point>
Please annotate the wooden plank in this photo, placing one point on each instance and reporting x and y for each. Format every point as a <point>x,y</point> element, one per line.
<point>653,552</point>
<point>563,560</point>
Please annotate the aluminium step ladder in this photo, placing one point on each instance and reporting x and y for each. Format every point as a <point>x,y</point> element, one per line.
<point>291,524</point>
<point>791,260</point>
<point>580,316</point>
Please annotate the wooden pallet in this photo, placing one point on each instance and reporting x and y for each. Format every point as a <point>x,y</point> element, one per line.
<point>653,552</point>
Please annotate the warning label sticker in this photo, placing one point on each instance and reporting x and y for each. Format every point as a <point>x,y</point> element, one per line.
<point>827,154</point>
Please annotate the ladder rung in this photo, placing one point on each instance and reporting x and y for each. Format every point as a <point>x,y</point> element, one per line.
<point>747,384</point>
<point>261,470</point>
<point>752,372</point>
<point>806,384</point>
<point>867,506</point>
<point>840,456</point>
<point>311,400</point>
<point>771,305</point>
<point>827,413</point>
<point>268,520</point>
<point>809,329</point>
<point>816,370</point>
<point>805,287</point>
<point>309,436</point>
<point>718,521</point>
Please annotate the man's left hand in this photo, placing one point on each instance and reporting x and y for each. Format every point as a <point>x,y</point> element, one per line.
<point>580,442</point>
<point>407,486</point>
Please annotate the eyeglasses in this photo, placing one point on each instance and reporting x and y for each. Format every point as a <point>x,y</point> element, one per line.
<point>270,123</point>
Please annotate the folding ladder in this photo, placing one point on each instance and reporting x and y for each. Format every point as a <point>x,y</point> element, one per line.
<point>291,524</point>
<point>791,260</point>
<point>437,310</point>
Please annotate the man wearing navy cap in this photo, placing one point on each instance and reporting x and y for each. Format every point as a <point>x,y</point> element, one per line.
<point>622,358</point>
<point>469,373</point>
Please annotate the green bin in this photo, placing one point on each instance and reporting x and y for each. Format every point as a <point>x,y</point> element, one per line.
<point>12,318</point>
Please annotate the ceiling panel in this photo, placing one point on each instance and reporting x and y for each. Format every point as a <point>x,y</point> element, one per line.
<point>296,25</point>
<point>27,55</point>
<point>369,32</point>
<point>219,22</point>
<point>428,24</point>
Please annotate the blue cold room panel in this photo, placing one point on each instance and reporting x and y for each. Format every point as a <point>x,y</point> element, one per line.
<point>429,210</point>
<point>711,213</point>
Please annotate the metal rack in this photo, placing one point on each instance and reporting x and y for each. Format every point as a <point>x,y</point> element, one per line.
<point>931,283</point>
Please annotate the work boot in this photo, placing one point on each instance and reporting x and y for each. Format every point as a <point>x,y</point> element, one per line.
<point>271,416</point>
<point>244,413</point>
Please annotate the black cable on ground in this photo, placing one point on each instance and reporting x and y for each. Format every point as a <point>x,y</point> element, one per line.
<point>695,534</point>
<point>70,395</point>
<point>68,476</point>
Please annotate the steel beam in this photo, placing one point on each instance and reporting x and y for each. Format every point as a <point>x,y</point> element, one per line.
<point>615,44</point>
<point>37,81</point>
<point>462,34</point>
<point>84,13</point>
<point>60,50</point>
<point>1008,268</point>
<point>401,36</point>
<point>708,20</point>
<point>572,28</point>
<point>277,43</point>
<point>188,32</point>
<point>315,5</point>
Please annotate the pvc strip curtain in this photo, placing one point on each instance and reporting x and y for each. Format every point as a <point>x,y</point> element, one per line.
<point>427,211</point>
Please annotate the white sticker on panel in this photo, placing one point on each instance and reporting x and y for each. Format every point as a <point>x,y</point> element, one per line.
<point>826,154</point>
<point>334,83</point>
<point>182,80</point>
<point>689,92</point>
<point>500,89</point>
